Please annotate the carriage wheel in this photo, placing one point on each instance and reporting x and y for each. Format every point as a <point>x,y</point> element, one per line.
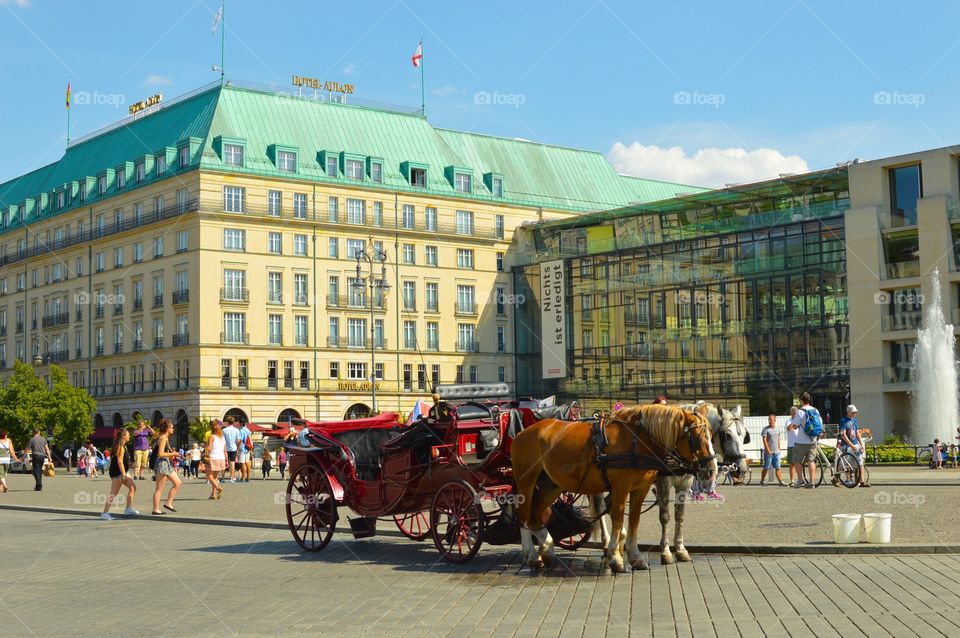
<point>456,521</point>
<point>414,526</point>
<point>581,503</point>
<point>311,508</point>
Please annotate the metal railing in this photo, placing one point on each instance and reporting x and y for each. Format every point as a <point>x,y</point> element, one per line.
<point>238,295</point>
<point>351,302</point>
<point>180,296</point>
<point>48,321</point>
<point>355,344</point>
<point>468,346</point>
<point>901,321</point>
<point>181,339</point>
<point>235,338</point>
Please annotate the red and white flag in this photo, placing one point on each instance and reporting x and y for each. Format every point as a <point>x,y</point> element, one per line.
<point>418,56</point>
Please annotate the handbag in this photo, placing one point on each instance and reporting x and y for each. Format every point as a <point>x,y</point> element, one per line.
<point>49,470</point>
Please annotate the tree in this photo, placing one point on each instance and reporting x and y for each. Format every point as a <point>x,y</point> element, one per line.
<point>200,427</point>
<point>24,403</point>
<point>71,409</point>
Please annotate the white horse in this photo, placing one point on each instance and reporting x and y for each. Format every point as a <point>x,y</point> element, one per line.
<point>729,437</point>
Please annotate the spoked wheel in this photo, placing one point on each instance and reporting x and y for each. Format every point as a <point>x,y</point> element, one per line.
<point>849,468</point>
<point>821,470</point>
<point>456,521</point>
<point>580,503</point>
<point>414,526</point>
<point>311,508</point>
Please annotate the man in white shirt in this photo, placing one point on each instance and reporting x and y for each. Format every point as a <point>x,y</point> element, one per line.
<point>805,450</point>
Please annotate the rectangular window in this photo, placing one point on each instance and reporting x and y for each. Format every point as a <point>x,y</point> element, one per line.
<point>498,226</point>
<point>502,374</point>
<point>356,211</point>
<point>465,337</point>
<point>430,218</point>
<point>234,239</point>
<point>333,248</point>
<point>333,290</point>
<point>332,210</point>
<point>356,333</point>
<point>275,330</point>
<point>355,247</point>
<point>334,369</point>
<point>304,375</point>
<point>906,187</point>
<point>300,289</point>
<point>464,222</point>
<point>331,167</point>
<point>378,333</point>
<point>408,219</point>
<point>160,164</point>
<point>407,377</point>
<point>184,154</point>
<point>234,199</point>
<point>299,205</point>
<point>433,296</point>
<point>183,240</point>
<point>501,339</point>
<point>408,254</point>
<point>473,373</point>
<point>274,203</point>
<point>501,301</point>
<point>465,299</point>
<point>378,213</point>
<point>409,295</point>
<point>354,169</point>
<point>137,252</point>
<point>410,335</point>
<point>430,254</point>
<point>459,373</point>
<point>418,177</point>
<point>275,243</point>
<point>433,335</point>
<point>157,247</point>
<point>376,172</point>
<point>287,161</point>
<point>117,257</point>
<point>465,258</point>
<point>272,373</point>
<point>226,373</point>
<point>356,371</point>
<point>140,171</point>
<point>435,374</point>
<point>499,262</point>
<point>234,284</point>
<point>233,154</point>
<point>274,287</point>
<point>300,245</point>
<point>333,332</point>
<point>300,330</point>
<point>462,182</point>
<point>497,187</point>
<point>102,185</point>
<point>121,177</point>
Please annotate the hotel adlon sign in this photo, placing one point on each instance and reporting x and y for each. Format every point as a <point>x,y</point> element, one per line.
<point>553,319</point>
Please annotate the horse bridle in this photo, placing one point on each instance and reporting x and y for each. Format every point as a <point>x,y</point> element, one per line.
<point>693,432</point>
<point>724,436</point>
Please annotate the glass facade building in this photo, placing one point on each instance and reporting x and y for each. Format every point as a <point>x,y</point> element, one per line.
<point>736,295</point>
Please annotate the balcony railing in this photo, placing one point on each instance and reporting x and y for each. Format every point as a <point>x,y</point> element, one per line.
<point>118,348</point>
<point>466,308</point>
<point>138,304</point>
<point>353,302</point>
<point>3,331</point>
<point>901,321</point>
<point>468,346</point>
<point>99,351</point>
<point>158,301</point>
<point>181,339</point>
<point>58,319</point>
<point>137,345</point>
<point>56,356</point>
<point>98,312</point>
<point>117,309</point>
<point>19,327</point>
<point>181,296</point>
<point>157,343</point>
<point>235,337</point>
<point>300,340</point>
<point>354,344</point>
<point>275,297</point>
<point>79,315</point>
<point>637,349</point>
<point>433,346</point>
<point>79,353</point>
<point>300,299</point>
<point>902,269</point>
<point>232,294</point>
<point>409,305</point>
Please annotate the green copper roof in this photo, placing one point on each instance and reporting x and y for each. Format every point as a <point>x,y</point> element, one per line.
<point>533,174</point>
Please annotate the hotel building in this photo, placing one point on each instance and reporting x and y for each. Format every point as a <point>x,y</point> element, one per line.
<point>200,257</point>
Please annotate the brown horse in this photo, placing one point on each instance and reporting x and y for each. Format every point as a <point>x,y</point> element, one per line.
<point>552,456</point>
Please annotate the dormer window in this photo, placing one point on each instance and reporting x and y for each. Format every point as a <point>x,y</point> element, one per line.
<point>376,172</point>
<point>497,186</point>
<point>462,182</point>
<point>141,171</point>
<point>102,185</point>
<point>121,177</point>
<point>184,154</point>
<point>418,177</point>
<point>331,166</point>
<point>233,154</point>
<point>287,161</point>
<point>161,164</point>
<point>354,169</point>
<point>82,193</point>
<point>21,212</point>
<point>61,198</point>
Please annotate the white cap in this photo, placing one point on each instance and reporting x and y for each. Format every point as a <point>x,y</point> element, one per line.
<point>852,408</point>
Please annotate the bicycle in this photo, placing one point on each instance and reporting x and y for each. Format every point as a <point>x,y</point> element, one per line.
<point>730,474</point>
<point>846,470</point>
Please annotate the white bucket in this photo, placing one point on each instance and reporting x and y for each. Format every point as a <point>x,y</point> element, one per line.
<point>846,528</point>
<point>877,527</point>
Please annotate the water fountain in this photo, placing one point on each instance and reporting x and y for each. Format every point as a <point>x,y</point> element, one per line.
<point>936,410</point>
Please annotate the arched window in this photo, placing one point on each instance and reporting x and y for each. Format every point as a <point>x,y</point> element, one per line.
<point>288,415</point>
<point>357,411</point>
<point>238,415</point>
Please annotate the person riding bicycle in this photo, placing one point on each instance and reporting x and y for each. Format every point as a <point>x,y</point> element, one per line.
<point>849,440</point>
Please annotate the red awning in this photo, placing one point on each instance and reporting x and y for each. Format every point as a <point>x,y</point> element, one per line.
<point>103,433</point>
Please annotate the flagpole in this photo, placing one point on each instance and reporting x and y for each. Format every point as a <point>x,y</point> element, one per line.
<point>423,101</point>
<point>223,32</point>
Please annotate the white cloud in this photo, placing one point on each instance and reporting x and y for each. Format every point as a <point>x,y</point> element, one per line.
<point>155,79</point>
<point>447,89</point>
<point>712,167</point>
<point>349,69</point>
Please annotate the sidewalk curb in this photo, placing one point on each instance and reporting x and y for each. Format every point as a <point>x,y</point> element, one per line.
<point>818,548</point>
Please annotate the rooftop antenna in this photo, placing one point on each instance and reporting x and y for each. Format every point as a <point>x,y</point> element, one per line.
<point>217,20</point>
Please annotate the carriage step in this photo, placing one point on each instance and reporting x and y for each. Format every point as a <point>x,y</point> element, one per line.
<point>364,527</point>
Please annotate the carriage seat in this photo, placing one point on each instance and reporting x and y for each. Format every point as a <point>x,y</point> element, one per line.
<point>365,446</point>
<point>473,412</point>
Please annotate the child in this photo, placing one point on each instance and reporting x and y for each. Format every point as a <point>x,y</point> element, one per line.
<point>82,465</point>
<point>953,455</point>
<point>936,459</point>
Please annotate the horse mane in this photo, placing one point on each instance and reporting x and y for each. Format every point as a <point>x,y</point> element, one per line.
<point>661,422</point>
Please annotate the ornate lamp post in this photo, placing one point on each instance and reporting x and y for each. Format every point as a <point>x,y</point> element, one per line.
<point>372,256</point>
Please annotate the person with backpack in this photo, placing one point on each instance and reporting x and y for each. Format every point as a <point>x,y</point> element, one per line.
<point>244,452</point>
<point>810,428</point>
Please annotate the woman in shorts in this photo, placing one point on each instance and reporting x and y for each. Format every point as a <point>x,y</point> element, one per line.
<point>163,468</point>
<point>119,462</point>
<point>217,459</point>
<point>8,454</point>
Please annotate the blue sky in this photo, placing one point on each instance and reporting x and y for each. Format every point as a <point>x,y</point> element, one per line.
<point>700,92</point>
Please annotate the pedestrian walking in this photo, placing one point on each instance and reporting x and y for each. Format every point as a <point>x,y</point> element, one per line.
<point>39,453</point>
<point>791,443</point>
<point>245,453</point>
<point>266,462</point>
<point>770,436</point>
<point>851,441</point>
<point>216,460</point>
<point>66,457</point>
<point>92,461</point>
<point>195,456</point>
<point>141,448</point>
<point>117,471</point>
<point>8,454</point>
<point>231,435</point>
<point>163,468</point>
<point>81,462</point>
<point>282,462</point>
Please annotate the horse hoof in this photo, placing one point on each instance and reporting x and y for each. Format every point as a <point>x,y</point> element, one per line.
<point>536,565</point>
<point>616,566</point>
<point>639,564</point>
<point>667,559</point>
<point>684,557</point>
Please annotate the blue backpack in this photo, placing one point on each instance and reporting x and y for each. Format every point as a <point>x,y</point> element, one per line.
<point>813,426</point>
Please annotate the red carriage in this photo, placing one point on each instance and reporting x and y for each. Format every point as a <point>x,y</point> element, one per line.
<point>446,476</point>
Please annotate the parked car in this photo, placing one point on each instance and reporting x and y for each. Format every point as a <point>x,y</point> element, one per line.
<point>23,466</point>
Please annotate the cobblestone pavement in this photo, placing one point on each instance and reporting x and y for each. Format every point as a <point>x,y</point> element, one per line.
<point>77,576</point>
<point>922,501</point>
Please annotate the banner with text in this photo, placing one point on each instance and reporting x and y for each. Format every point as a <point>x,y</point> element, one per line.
<point>553,319</point>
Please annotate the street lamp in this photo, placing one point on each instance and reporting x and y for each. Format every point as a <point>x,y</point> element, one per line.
<point>372,255</point>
